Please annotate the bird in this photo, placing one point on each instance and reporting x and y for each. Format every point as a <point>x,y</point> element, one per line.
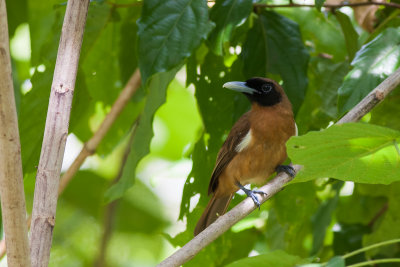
<point>254,149</point>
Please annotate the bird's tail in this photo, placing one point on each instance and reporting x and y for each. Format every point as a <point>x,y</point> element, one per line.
<point>215,208</point>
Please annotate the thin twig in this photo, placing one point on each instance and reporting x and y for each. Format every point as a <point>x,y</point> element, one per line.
<point>343,4</point>
<point>11,178</point>
<point>90,146</point>
<point>225,222</point>
<point>56,131</point>
<point>109,215</point>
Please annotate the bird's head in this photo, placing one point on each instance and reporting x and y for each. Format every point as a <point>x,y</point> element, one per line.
<point>265,92</point>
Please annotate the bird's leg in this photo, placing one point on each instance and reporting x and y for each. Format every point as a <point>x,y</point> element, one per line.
<point>251,194</point>
<point>287,169</point>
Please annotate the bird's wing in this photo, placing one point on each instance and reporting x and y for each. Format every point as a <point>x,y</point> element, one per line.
<point>228,149</point>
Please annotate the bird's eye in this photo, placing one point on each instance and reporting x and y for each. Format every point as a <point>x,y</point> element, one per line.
<point>266,88</point>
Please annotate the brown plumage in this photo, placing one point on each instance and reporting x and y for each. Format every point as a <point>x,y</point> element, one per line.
<point>254,148</point>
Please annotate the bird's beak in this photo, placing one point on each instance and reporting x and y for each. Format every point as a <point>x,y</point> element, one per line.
<point>239,87</point>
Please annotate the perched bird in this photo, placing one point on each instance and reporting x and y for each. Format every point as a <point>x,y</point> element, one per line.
<point>254,149</point>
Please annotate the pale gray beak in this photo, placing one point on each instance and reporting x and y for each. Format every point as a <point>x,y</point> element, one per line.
<point>239,87</point>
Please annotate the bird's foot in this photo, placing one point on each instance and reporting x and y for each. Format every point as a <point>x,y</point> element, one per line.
<point>289,170</point>
<point>252,194</point>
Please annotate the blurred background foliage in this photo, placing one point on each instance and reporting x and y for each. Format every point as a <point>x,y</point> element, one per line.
<point>327,60</point>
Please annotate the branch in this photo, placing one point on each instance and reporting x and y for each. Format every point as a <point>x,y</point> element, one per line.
<point>343,4</point>
<point>56,131</point>
<point>11,177</point>
<point>225,222</point>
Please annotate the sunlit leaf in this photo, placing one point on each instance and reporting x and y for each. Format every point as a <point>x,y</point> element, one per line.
<point>350,152</point>
<point>372,64</point>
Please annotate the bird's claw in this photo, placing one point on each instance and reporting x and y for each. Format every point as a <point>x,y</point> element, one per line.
<point>252,194</point>
<point>289,170</point>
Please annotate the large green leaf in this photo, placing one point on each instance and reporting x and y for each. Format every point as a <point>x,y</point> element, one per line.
<point>274,45</point>
<point>351,152</point>
<point>227,14</point>
<point>371,65</point>
<point>277,258</point>
<point>168,32</point>
<point>156,86</point>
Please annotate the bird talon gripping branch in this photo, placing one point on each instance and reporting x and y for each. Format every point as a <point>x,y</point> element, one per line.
<point>254,149</point>
<point>289,170</point>
<point>252,194</point>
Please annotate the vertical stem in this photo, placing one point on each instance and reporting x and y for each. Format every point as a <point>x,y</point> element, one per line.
<point>56,131</point>
<point>109,215</point>
<point>11,178</point>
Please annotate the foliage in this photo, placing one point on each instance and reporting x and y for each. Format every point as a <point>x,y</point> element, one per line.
<point>324,60</point>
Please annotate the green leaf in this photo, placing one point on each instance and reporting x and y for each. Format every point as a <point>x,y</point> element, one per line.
<point>373,63</point>
<point>168,33</point>
<point>274,45</point>
<point>350,152</point>
<point>156,86</point>
<point>291,205</point>
<point>320,104</point>
<point>319,4</point>
<point>227,15</point>
<point>385,225</point>
<point>359,208</point>
<point>349,238</point>
<point>350,34</point>
<point>322,219</point>
<point>337,261</point>
<point>383,113</point>
<point>17,13</point>
<point>277,258</point>
<point>171,140</point>
<point>321,32</point>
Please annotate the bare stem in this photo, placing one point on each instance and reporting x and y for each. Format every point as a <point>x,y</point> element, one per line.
<point>225,222</point>
<point>56,131</point>
<point>11,178</point>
